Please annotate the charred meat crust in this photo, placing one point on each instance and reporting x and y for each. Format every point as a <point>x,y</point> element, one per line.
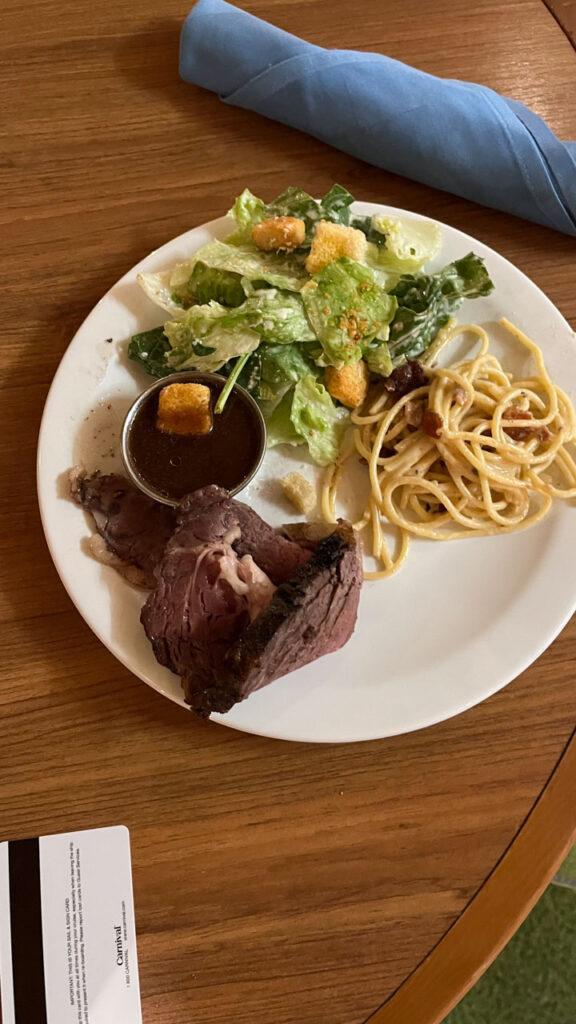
<point>310,615</point>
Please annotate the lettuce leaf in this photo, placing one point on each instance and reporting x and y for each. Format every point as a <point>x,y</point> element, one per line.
<point>208,284</point>
<point>248,210</point>
<point>208,336</point>
<point>281,366</point>
<point>271,316</point>
<point>279,317</point>
<point>279,426</point>
<point>149,349</point>
<point>378,358</point>
<point>427,301</point>
<point>318,420</point>
<point>407,244</point>
<point>280,270</point>
<point>347,309</point>
<point>242,267</point>
<point>160,289</point>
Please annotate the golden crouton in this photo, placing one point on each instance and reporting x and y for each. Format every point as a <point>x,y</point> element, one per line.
<point>279,234</point>
<point>184,409</point>
<point>349,384</point>
<point>332,241</point>
<point>300,492</point>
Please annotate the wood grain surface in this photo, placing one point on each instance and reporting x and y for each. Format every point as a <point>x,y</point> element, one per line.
<point>273,882</point>
<point>564,11</point>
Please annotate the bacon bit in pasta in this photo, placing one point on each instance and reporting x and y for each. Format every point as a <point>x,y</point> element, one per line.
<point>407,377</point>
<point>460,396</point>
<point>414,412</point>
<point>513,412</point>
<point>432,424</point>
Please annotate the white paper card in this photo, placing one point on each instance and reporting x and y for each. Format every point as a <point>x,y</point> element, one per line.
<point>67,930</point>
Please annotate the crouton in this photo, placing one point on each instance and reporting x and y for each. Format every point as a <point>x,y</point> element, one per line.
<point>349,384</point>
<point>332,241</point>
<point>278,234</point>
<point>184,409</point>
<point>300,492</point>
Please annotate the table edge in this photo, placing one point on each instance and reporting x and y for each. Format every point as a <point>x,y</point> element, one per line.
<point>488,922</point>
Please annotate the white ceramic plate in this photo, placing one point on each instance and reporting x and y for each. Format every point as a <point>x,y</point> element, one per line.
<point>457,623</point>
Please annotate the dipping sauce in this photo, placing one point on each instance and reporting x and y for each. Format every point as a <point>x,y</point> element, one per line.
<point>168,466</point>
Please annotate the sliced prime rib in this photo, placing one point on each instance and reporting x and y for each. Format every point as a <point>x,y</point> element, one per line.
<point>311,614</point>
<point>210,513</point>
<point>135,528</point>
<point>234,603</point>
<point>218,573</point>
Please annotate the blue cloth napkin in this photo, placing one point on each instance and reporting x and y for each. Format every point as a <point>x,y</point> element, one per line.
<point>456,136</point>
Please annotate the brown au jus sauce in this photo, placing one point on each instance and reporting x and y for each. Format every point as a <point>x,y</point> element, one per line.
<point>176,464</point>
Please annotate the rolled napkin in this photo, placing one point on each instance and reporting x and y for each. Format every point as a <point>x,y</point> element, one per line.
<point>456,136</point>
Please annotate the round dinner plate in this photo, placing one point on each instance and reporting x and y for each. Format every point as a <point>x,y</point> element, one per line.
<point>458,622</point>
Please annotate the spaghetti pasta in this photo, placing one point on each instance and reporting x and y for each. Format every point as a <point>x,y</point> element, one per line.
<point>471,453</point>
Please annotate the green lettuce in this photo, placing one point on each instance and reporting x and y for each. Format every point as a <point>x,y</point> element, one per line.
<point>378,358</point>
<point>279,317</point>
<point>347,310</point>
<point>280,270</point>
<point>281,366</point>
<point>166,289</point>
<point>209,284</point>
<point>427,301</point>
<point>207,337</point>
<point>318,420</point>
<point>205,334</point>
<point>249,376</point>
<point>248,211</point>
<point>402,246</point>
<point>149,350</point>
<point>219,272</point>
<point>279,426</point>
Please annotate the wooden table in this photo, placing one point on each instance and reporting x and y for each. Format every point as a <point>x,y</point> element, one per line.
<point>273,882</point>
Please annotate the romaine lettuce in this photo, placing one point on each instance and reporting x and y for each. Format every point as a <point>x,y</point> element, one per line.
<point>318,420</point>
<point>398,245</point>
<point>347,309</point>
<point>408,244</point>
<point>279,317</point>
<point>208,336</point>
<point>239,267</point>
<point>149,349</point>
<point>427,301</point>
<point>271,316</point>
<point>279,426</point>
<point>248,211</point>
<point>163,292</point>
<point>281,366</point>
<point>281,270</point>
<point>377,356</point>
<point>209,284</point>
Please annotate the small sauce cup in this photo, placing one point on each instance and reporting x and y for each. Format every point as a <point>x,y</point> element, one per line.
<point>168,466</point>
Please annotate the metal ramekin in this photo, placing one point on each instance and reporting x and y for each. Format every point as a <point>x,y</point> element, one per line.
<point>189,376</point>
